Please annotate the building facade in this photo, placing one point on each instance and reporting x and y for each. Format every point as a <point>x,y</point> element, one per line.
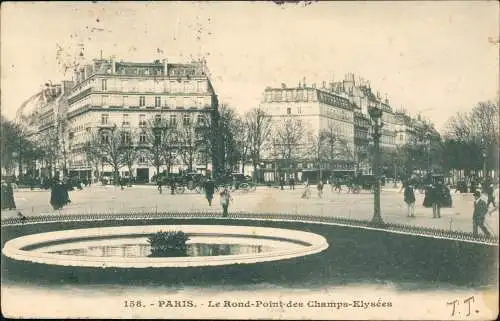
<point>131,95</point>
<point>43,120</point>
<point>342,106</point>
<point>318,110</point>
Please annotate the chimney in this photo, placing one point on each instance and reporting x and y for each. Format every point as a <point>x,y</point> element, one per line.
<point>283,85</point>
<point>304,82</point>
<point>314,85</point>
<point>324,84</point>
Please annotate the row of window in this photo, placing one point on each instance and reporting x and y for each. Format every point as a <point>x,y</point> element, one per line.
<point>289,95</point>
<point>186,119</point>
<point>158,102</point>
<point>175,86</point>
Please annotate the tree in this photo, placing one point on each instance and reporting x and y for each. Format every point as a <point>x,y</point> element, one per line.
<point>93,153</point>
<point>218,133</point>
<point>48,140</point>
<point>11,141</point>
<point>317,150</point>
<point>160,142</point>
<point>111,149</point>
<point>289,139</point>
<point>242,141</point>
<point>258,124</point>
<point>472,139</point>
<point>129,152</point>
<point>189,141</point>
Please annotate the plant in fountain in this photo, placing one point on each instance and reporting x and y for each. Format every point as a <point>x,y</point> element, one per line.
<point>168,243</point>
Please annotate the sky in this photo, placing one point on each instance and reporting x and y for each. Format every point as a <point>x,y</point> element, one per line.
<point>433,58</point>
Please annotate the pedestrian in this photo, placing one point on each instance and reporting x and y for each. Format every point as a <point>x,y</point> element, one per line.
<point>338,185</point>
<point>439,198</point>
<point>409,198</point>
<point>57,194</point>
<point>282,182</point>
<point>489,191</point>
<point>7,196</point>
<point>225,199</point>
<point>209,187</point>
<point>292,183</point>
<point>435,201</point>
<point>66,188</point>
<point>320,189</point>
<point>307,192</point>
<point>121,181</point>
<point>159,183</point>
<point>480,211</point>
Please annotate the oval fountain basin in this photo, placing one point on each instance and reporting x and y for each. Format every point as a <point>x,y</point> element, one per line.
<point>127,246</point>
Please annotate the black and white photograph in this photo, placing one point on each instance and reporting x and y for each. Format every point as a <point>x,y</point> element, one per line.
<point>326,160</point>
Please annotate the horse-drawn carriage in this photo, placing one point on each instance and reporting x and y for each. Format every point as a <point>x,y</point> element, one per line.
<point>236,181</point>
<point>180,182</point>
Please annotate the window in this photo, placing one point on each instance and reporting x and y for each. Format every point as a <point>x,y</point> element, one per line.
<point>200,86</point>
<point>157,101</point>
<point>173,120</point>
<point>142,120</point>
<point>104,84</point>
<point>125,120</point>
<point>142,159</point>
<point>105,138</point>
<point>104,101</point>
<point>186,102</point>
<point>142,101</point>
<point>126,138</point>
<point>200,119</point>
<point>277,95</point>
<point>104,119</point>
<point>288,111</point>
<point>142,138</point>
<point>157,119</point>
<point>186,119</point>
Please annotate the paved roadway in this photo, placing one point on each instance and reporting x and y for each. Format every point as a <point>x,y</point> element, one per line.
<point>110,199</point>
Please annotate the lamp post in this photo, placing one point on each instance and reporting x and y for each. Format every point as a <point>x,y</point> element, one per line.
<point>428,138</point>
<point>483,147</point>
<point>376,116</point>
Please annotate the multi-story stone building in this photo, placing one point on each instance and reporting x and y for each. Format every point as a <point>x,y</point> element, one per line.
<point>109,93</point>
<point>43,120</point>
<point>344,106</point>
<point>318,110</point>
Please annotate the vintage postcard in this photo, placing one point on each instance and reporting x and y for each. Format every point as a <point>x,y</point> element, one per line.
<point>250,160</point>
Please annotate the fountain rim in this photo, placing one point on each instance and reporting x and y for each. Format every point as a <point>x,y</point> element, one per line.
<point>14,248</point>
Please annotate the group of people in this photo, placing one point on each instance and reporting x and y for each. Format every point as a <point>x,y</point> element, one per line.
<point>291,183</point>
<point>225,196</point>
<point>437,196</point>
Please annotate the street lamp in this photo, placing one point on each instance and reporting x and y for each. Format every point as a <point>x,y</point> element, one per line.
<point>428,137</point>
<point>376,116</point>
<point>483,147</point>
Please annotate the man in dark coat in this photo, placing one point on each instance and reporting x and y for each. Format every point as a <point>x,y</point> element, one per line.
<point>480,211</point>
<point>209,187</point>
